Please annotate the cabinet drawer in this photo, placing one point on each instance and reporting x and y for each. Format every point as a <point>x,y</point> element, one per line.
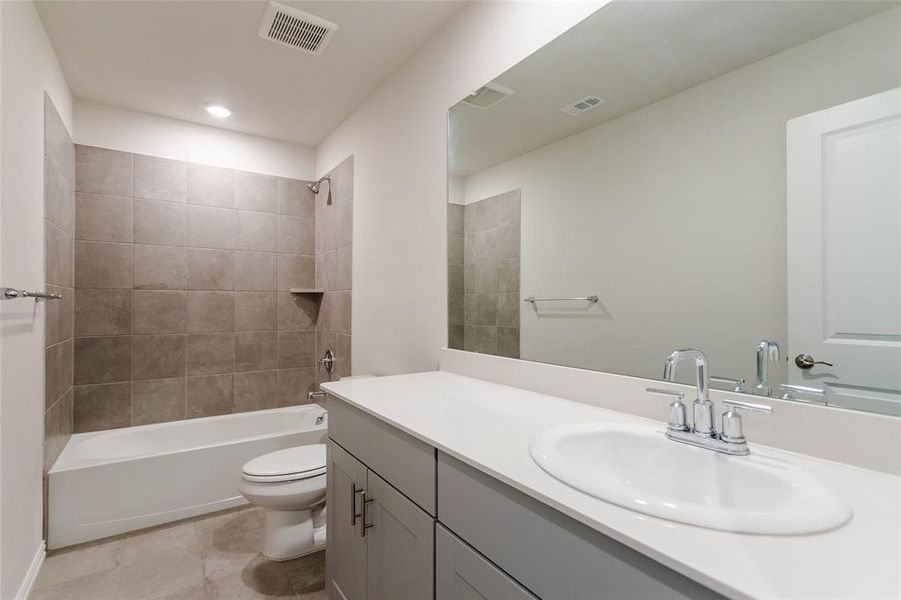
<point>461,573</point>
<point>406,462</point>
<point>551,554</point>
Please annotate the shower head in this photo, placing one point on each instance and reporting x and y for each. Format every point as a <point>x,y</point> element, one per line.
<point>314,187</point>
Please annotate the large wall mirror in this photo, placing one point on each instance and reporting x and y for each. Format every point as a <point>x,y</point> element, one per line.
<point>719,175</point>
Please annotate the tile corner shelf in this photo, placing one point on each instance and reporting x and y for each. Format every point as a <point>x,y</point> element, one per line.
<point>306,291</point>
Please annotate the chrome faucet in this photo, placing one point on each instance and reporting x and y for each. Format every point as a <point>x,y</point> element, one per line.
<point>767,352</point>
<point>702,407</point>
<point>702,433</point>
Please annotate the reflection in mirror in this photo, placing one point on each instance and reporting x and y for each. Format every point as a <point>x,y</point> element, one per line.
<point>719,175</point>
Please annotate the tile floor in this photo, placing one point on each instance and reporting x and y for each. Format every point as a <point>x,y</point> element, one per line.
<point>208,558</point>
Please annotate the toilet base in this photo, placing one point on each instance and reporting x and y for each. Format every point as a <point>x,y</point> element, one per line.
<point>289,534</point>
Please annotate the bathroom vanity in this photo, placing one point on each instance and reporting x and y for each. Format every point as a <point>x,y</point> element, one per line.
<point>432,493</point>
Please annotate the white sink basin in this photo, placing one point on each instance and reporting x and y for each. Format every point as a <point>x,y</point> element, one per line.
<point>637,467</point>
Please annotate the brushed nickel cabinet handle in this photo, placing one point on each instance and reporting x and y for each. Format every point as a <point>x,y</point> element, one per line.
<point>354,515</point>
<point>363,524</point>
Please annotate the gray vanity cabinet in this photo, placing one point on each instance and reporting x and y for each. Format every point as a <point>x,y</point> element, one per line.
<point>380,542</point>
<point>399,545</point>
<point>345,548</point>
<point>461,573</point>
<point>439,528</point>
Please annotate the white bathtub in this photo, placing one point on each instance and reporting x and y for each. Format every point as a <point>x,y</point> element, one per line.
<point>109,482</point>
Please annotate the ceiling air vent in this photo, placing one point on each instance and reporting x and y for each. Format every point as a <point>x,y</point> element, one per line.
<point>296,29</point>
<point>582,105</point>
<point>487,95</point>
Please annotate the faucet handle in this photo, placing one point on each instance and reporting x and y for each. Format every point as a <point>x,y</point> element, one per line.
<point>737,383</point>
<point>676,420</point>
<point>732,426</point>
<point>748,406</point>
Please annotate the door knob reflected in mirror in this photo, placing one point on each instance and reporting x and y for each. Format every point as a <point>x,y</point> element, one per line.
<point>806,361</point>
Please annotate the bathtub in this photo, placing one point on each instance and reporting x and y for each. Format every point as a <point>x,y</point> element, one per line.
<point>110,482</point>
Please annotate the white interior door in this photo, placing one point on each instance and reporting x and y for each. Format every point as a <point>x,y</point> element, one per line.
<point>844,251</point>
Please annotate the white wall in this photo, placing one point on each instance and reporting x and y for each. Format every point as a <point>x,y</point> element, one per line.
<point>634,209</point>
<point>28,68</point>
<point>132,131</point>
<point>398,138</point>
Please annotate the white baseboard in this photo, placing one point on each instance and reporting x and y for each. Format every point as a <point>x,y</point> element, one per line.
<point>32,574</point>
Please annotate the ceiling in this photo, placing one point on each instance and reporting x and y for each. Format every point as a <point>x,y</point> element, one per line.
<point>173,58</point>
<point>632,54</point>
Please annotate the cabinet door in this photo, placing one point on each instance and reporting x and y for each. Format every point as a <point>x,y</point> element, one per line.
<point>345,547</point>
<point>400,545</point>
<point>461,573</point>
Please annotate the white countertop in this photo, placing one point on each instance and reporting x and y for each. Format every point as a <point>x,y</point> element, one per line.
<point>489,426</point>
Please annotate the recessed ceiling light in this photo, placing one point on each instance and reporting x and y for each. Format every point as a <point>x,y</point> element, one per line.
<point>217,110</point>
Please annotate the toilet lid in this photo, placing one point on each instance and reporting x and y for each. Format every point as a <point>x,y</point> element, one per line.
<point>291,463</point>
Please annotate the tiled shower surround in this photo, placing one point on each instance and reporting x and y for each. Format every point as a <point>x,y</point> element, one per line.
<point>483,275</point>
<point>182,306</point>
<point>59,226</point>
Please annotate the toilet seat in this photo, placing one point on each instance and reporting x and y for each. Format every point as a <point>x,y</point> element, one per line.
<point>290,464</point>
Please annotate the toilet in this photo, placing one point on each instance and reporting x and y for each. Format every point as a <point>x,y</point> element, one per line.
<point>290,486</point>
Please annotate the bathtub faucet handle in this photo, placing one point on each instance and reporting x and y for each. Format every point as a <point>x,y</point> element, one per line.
<point>328,361</point>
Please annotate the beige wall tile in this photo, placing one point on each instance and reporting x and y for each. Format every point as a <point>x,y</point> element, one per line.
<point>52,314</point>
<point>57,428</point>
<point>209,395</point>
<point>508,341</point>
<point>211,227</point>
<point>296,235</point>
<point>295,271</point>
<point>97,407</point>
<point>159,267</point>
<point>256,311</point>
<point>254,191</point>
<point>294,198</point>
<point>343,355</point>
<point>256,231</point>
<point>486,278</point>
<point>344,225</point>
<point>103,265</point>
<point>102,312</point>
<point>486,214</point>
<point>59,197</point>
<point>508,207</point>
<point>210,269</point>
<point>486,340</point>
<point>345,268</point>
<point>469,342</point>
<point>103,218</point>
<point>158,356</point>
<point>160,178</point>
<point>211,186</point>
<point>102,171</point>
<point>257,271</point>
<point>455,218</point>
<point>508,276</point>
<point>294,385</point>
<point>454,249</point>
<point>455,337</point>
<point>486,309</point>
<point>325,340</point>
<point>297,311</point>
<point>159,312</point>
<point>296,349</point>
<point>58,249</point>
<point>508,309</point>
<point>327,270</point>
<point>211,312</point>
<point>102,359</point>
<point>210,353</point>
<point>256,391</point>
<point>162,223</point>
<point>58,371</point>
<point>256,351</point>
<point>157,401</point>
<point>508,241</point>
